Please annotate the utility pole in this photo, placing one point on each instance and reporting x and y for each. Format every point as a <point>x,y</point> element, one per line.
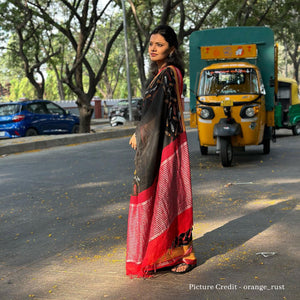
<point>286,59</point>
<point>127,62</point>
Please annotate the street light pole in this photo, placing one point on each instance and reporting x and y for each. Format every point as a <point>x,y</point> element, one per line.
<point>127,62</point>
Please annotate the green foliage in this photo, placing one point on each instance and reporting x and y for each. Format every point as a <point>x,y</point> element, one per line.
<point>51,89</point>
<point>21,89</point>
<point>10,65</point>
<point>142,16</point>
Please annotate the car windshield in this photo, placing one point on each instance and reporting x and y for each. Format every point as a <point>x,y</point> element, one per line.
<point>228,82</point>
<point>9,109</point>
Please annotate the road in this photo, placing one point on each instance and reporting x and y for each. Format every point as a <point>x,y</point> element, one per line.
<point>63,216</point>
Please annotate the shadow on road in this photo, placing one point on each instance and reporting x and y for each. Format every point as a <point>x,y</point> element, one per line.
<point>239,231</point>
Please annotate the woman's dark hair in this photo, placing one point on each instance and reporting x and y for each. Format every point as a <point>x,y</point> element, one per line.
<point>175,58</point>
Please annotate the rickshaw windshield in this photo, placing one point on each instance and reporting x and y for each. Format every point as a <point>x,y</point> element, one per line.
<point>228,82</point>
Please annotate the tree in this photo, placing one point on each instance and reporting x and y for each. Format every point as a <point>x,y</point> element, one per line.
<point>26,43</point>
<point>287,31</point>
<point>79,26</point>
<point>114,71</point>
<point>281,15</point>
<point>89,55</point>
<point>147,14</point>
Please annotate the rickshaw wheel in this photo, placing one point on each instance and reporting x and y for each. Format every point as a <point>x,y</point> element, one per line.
<point>296,129</point>
<point>266,145</point>
<point>203,150</point>
<point>226,152</point>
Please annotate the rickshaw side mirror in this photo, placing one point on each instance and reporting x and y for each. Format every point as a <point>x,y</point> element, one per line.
<point>262,90</point>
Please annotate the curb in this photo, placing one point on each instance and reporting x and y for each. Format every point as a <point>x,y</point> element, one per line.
<point>44,142</point>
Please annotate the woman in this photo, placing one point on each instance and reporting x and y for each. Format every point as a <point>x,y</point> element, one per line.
<point>160,213</point>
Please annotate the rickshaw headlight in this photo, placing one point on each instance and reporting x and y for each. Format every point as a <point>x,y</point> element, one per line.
<point>207,113</point>
<point>250,112</point>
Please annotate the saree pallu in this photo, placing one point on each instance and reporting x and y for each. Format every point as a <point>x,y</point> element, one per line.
<point>160,216</point>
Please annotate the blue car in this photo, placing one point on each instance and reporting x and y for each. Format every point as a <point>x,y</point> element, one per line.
<point>35,117</point>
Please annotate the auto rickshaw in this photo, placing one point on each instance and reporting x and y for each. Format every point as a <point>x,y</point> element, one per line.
<point>287,105</point>
<point>232,88</point>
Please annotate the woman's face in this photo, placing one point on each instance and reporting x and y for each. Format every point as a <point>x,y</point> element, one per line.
<point>158,49</point>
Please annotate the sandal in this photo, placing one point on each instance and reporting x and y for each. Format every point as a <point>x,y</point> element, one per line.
<point>188,268</point>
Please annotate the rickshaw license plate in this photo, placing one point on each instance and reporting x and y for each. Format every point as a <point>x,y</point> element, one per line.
<point>227,102</point>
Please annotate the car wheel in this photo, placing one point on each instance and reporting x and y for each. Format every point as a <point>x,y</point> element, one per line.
<point>75,128</point>
<point>31,132</point>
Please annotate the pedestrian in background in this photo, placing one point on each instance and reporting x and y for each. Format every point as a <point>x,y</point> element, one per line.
<point>160,216</point>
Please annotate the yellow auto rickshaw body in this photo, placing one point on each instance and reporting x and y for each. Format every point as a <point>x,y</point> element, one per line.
<point>293,95</point>
<point>237,85</point>
<point>232,80</point>
<point>287,105</point>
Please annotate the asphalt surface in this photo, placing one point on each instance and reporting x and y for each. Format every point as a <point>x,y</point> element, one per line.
<point>246,234</point>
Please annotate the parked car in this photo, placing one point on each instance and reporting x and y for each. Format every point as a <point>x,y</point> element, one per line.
<point>120,112</point>
<point>35,117</point>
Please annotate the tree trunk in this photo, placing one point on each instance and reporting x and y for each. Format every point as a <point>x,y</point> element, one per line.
<point>141,67</point>
<point>61,90</point>
<point>296,71</point>
<point>39,87</point>
<point>60,86</point>
<point>85,114</point>
<point>295,59</point>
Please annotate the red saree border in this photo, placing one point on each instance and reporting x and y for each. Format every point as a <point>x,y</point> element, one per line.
<point>173,146</point>
<point>148,264</point>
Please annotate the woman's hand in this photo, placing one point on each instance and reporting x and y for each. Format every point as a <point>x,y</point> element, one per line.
<point>132,141</point>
